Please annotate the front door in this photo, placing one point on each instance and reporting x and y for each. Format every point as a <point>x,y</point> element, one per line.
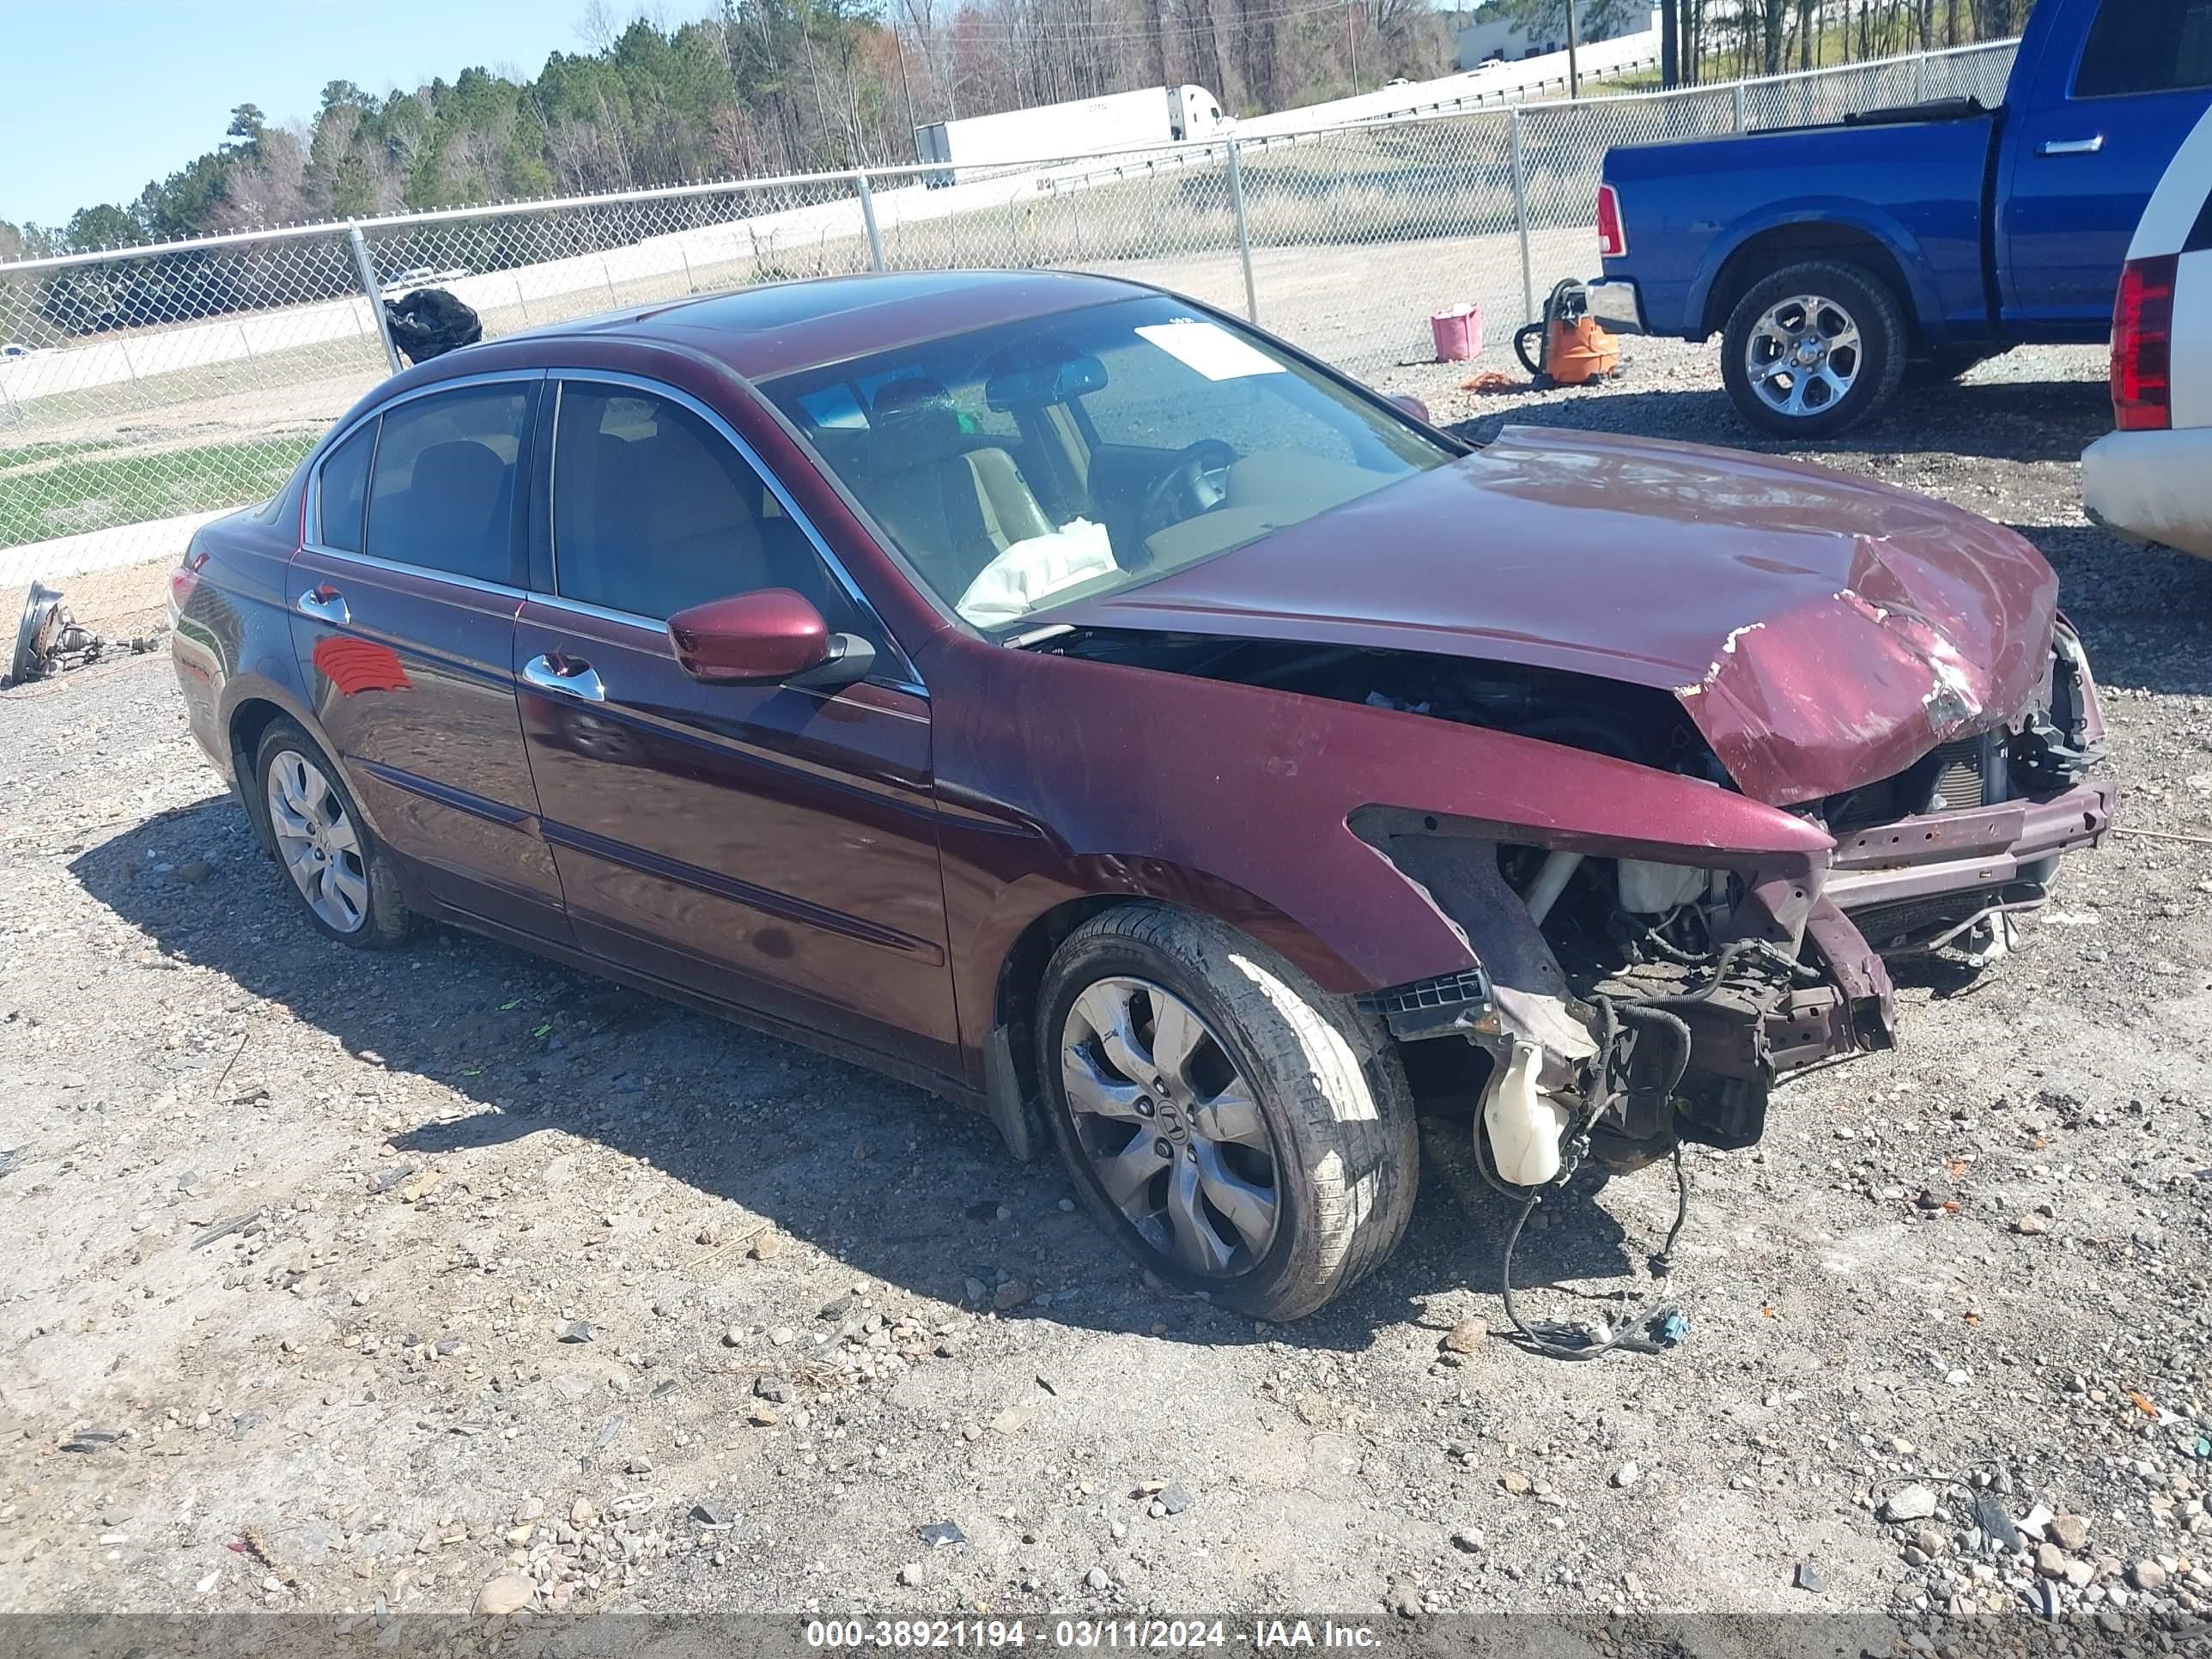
<point>772,845</point>
<point>2084,157</point>
<point>402,604</point>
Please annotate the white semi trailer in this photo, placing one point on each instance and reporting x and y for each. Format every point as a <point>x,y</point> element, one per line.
<point>1156,115</point>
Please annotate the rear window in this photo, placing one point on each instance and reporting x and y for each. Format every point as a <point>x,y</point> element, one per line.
<point>2147,45</point>
<point>345,490</point>
<point>444,494</point>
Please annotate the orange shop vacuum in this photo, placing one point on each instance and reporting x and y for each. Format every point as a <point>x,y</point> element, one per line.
<point>1569,347</point>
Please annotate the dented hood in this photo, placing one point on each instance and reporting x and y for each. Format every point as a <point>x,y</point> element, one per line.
<point>1822,632</point>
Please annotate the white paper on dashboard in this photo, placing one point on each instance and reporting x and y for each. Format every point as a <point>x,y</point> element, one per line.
<point>1026,575</point>
<point>1210,349</point>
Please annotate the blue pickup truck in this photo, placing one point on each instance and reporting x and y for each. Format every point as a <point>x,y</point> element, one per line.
<point>1831,259</point>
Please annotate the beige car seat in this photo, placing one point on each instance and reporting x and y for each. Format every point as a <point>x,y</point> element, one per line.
<point>952,509</point>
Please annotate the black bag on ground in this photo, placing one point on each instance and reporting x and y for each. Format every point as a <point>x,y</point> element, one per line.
<point>429,323</point>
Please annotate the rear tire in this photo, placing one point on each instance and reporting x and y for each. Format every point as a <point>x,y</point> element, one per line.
<point>1149,1020</point>
<point>332,862</point>
<point>1812,349</point>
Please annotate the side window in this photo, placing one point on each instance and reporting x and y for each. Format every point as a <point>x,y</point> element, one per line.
<point>345,490</point>
<point>653,511</point>
<point>443,494</point>
<point>2147,45</point>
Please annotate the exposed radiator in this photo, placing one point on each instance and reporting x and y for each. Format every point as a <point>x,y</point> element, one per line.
<point>1961,775</point>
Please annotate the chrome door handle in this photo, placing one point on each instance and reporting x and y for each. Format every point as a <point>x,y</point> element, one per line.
<point>325,603</point>
<point>567,676</point>
<point>2070,146</point>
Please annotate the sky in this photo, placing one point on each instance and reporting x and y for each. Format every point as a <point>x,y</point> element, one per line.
<point>98,97</point>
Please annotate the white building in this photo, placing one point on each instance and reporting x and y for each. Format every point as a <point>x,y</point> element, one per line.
<point>1488,39</point>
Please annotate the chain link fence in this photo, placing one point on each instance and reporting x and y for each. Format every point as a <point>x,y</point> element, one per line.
<point>143,392</point>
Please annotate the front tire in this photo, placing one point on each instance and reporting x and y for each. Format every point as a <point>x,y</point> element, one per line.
<point>1238,1129</point>
<point>332,861</point>
<point>1812,349</point>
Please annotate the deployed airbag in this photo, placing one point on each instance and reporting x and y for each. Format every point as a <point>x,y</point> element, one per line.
<point>1020,579</point>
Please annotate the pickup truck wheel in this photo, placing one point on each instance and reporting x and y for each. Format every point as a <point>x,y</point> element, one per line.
<point>1812,349</point>
<point>1238,1129</point>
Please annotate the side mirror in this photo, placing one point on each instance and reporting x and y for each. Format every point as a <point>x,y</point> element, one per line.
<point>770,636</point>
<point>1412,406</point>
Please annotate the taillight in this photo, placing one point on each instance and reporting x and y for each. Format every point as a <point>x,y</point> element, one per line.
<point>2142,344</point>
<point>1612,235</point>
<point>186,576</point>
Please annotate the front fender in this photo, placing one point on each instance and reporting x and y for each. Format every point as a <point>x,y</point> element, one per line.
<point>1134,876</point>
<point>1923,296</point>
<point>1060,778</point>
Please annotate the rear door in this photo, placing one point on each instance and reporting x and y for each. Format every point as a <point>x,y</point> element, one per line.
<point>403,599</point>
<point>771,846</point>
<point>2105,112</point>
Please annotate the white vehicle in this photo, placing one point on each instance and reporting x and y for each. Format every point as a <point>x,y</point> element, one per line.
<point>2151,481</point>
<point>1156,115</point>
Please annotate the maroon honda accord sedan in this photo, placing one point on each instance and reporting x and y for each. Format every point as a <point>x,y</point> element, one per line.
<point>1063,696</point>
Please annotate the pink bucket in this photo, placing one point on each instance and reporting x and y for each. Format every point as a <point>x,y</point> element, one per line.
<point>1458,333</point>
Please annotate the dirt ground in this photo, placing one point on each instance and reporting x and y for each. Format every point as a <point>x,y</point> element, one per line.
<point>352,1285</point>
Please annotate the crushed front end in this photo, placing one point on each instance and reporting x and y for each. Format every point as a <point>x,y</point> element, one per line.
<point>1633,997</point>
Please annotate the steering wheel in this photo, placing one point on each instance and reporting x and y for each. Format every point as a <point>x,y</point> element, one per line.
<point>1183,490</point>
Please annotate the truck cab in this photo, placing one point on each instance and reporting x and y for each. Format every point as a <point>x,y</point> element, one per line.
<point>1196,113</point>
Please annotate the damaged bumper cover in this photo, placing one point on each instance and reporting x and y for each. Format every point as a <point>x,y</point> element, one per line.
<point>1797,976</point>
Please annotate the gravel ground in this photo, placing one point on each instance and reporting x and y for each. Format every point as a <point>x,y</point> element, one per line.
<point>342,1283</point>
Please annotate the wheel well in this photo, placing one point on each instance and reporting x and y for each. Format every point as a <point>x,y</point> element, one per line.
<point>1787,244</point>
<point>1014,1001</point>
<point>248,722</point>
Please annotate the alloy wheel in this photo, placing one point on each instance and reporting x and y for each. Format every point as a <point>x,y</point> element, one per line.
<point>1803,356</point>
<point>1170,1126</point>
<point>318,842</point>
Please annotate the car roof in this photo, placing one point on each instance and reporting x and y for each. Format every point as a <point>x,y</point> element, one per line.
<point>776,328</point>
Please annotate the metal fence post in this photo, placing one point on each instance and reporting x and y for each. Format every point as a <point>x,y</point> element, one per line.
<point>1920,79</point>
<point>1739,107</point>
<point>1243,232</point>
<point>868,218</point>
<point>375,295</point>
<point>1521,221</point>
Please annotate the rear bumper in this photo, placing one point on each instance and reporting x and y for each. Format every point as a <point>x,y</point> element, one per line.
<point>1616,306</point>
<point>2153,487</point>
<point>198,662</point>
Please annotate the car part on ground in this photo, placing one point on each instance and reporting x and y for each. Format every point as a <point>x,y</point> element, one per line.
<point>48,640</point>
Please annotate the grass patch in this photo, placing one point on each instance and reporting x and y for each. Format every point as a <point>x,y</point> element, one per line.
<point>96,491</point>
<point>15,459</point>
